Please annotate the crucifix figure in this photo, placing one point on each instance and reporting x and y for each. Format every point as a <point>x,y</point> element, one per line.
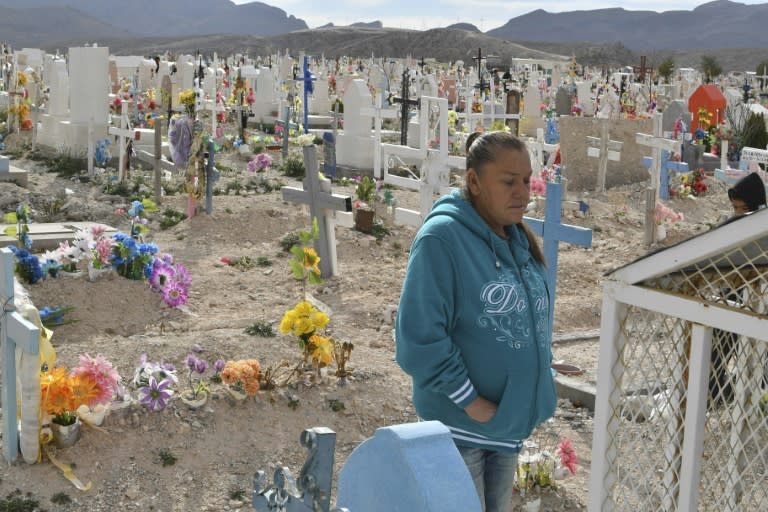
<point>322,205</point>
<point>405,102</point>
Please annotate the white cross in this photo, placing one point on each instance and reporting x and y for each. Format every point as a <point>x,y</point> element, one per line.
<point>16,332</point>
<point>125,133</point>
<point>322,206</point>
<point>657,142</point>
<point>378,114</point>
<point>603,149</point>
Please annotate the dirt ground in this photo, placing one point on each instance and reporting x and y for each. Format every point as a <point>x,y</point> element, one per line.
<point>220,446</point>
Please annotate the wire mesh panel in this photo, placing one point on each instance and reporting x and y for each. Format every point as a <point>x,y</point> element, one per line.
<point>686,420</point>
<point>648,429</point>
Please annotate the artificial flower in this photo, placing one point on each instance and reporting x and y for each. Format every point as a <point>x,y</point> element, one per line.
<point>322,349</point>
<point>155,395</point>
<point>568,456</point>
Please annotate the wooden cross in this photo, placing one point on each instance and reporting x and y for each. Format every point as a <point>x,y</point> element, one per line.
<point>405,103</point>
<point>322,205</point>
<point>378,114</point>
<point>604,149</point>
<point>307,79</point>
<point>16,332</point>
<point>641,70</point>
<point>482,85</point>
<point>658,144</point>
<point>553,232</point>
<point>287,125</point>
<point>125,133</point>
<point>667,166</point>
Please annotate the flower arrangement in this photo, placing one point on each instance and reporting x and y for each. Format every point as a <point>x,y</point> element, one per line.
<point>260,163</point>
<point>188,98</point>
<point>540,466</point>
<point>21,217</point>
<point>242,375</point>
<point>197,367</point>
<point>27,265</point>
<point>693,184</point>
<point>93,382</point>
<point>666,215</point>
<point>101,154</point>
<point>538,186</point>
<point>303,321</point>
<point>153,381</point>
<point>365,192</point>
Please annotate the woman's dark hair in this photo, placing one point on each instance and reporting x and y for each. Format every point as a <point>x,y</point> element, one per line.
<point>482,149</point>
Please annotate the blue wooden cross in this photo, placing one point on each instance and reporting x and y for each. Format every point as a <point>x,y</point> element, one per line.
<point>307,78</point>
<point>553,232</point>
<point>15,331</point>
<point>211,176</point>
<point>667,165</point>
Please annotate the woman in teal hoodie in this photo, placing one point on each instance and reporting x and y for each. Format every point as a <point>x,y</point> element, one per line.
<point>473,321</point>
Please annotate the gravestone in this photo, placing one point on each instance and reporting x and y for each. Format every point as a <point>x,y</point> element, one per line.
<point>354,146</point>
<point>379,114</point>
<point>584,91</point>
<point>51,131</point>
<point>407,468</point>
<point>89,84</point>
<point>676,109</point>
<point>11,173</point>
<point>563,102</point>
<point>265,108</point>
<point>16,332</point>
<point>321,101</point>
<point>322,205</point>
<point>532,119</point>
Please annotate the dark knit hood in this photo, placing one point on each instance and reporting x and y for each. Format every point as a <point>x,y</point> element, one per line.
<point>749,189</point>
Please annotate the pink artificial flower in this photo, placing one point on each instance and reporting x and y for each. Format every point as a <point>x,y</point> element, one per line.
<point>120,211</point>
<point>225,260</point>
<point>568,456</point>
<point>102,372</point>
<point>538,186</point>
<point>175,294</point>
<point>103,249</point>
<point>98,230</point>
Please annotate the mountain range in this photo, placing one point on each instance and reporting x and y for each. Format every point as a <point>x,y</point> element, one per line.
<point>602,36</point>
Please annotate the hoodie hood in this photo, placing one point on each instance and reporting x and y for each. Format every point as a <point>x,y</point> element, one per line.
<point>749,189</point>
<point>456,206</point>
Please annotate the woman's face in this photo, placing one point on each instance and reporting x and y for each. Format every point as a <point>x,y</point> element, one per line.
<point>502,189</point>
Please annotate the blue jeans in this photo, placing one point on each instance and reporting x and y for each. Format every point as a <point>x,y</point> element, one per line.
<point>493,474</point>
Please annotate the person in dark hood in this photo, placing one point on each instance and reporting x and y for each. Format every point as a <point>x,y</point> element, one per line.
<point>747,195</point>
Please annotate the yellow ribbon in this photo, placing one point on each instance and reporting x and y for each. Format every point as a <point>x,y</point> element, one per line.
<point>46,437</point>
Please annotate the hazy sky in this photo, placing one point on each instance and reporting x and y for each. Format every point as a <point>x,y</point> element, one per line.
<point>421,15</point>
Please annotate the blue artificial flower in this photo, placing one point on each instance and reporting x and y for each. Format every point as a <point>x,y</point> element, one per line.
<point>148,248</point>
<point>26,240</point>
<point>136,209</point>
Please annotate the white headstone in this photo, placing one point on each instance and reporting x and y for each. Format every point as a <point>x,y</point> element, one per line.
<point>584,92</point>
<point>354,147</point>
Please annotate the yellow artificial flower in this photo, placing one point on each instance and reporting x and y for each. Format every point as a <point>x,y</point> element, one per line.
<point>319,319</point>
<point>303,326</point>
<point>303,308</point>
<point>286,324</point>
<point>22,78</point>
<point>323,349</point>
<point>311,260</point>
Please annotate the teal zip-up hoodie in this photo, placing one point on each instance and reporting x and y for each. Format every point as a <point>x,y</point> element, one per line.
<point>473,320</point>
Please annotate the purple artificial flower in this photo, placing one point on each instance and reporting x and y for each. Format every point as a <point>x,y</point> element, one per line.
<point>191,361</point>
<point>156,395</point>
<point>219,365</point>
<point>175,294</point>
<point>182,275</point>
<point>162,274</point>
<point>201,365</point>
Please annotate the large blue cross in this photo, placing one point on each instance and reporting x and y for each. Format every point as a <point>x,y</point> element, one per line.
<point>307,78</point>
<point>667,165</point>
<point>553,232</point>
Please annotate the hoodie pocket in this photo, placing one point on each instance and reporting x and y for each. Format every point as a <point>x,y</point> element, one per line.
<point>513,416</point>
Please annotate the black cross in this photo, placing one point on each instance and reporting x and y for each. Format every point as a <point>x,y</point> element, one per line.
<point>422,64</point>
<point>641,70</point>
<point>405,102</point>
<point>482,85</point>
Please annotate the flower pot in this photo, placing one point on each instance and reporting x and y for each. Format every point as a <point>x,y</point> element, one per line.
<point>661,232</point>
<point>239,396</point>
<point>93,415</point>
<point>364,220</point>
<point>65,436</point>
<point>94,273</point>
<point>193,402</point>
